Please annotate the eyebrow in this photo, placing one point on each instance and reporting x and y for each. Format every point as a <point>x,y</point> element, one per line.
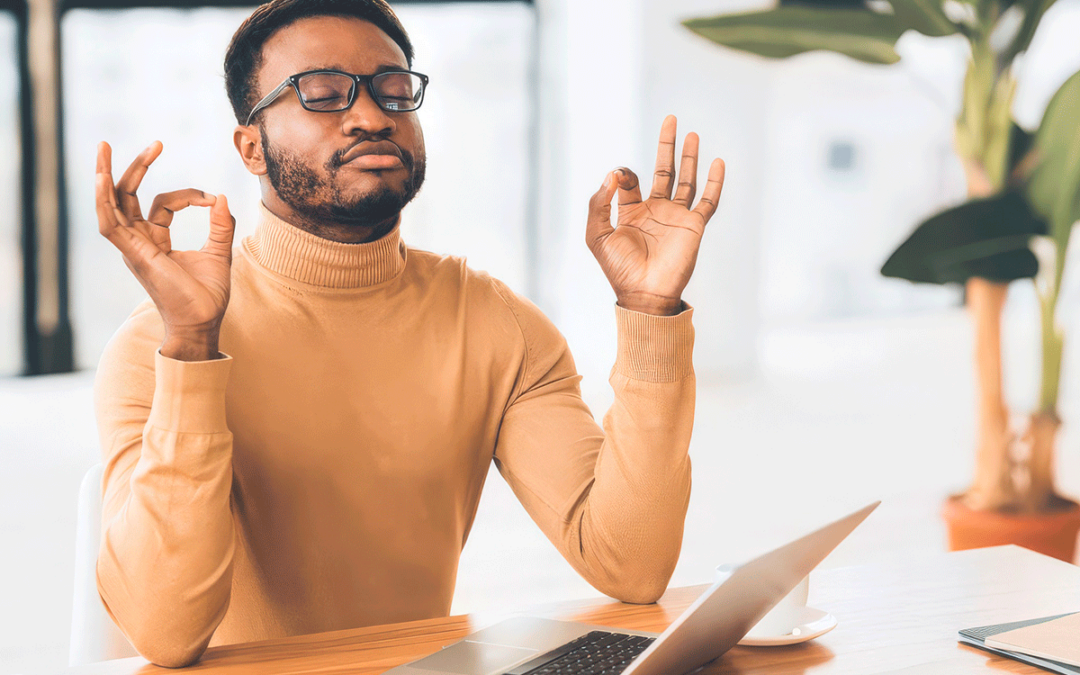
<point>381,68</point>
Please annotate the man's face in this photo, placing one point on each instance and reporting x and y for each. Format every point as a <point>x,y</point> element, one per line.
<point>304,150</point>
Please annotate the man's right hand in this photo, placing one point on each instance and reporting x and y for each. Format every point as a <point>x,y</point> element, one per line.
<point>190,288</point>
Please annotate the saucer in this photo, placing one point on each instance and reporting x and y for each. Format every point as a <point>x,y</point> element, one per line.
<point>815,622</point>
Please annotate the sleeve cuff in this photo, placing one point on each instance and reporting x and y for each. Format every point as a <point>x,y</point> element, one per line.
<point>189,396</point>
<point>654,348</point>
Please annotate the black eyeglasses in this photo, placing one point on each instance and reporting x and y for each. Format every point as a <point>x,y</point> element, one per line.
<point>334,90</point>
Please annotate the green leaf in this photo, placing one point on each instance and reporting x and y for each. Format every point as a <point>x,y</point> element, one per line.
<point>986,238</point>
<point>999,125</point>
<point>925,16</point>
<point>1020,144</point>
<point>972,124</point>
<point>790,30</point>
<point>1054,186</point>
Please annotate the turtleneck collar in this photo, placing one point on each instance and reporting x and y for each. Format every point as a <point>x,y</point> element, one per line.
<point>291,252</point>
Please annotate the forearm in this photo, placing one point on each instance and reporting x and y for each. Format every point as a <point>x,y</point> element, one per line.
<point>611,499</point>
<point>630,524</point>
<point>165,565</point>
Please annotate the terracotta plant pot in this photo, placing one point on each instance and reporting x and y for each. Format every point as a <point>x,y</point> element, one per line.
<point>1053,532</point>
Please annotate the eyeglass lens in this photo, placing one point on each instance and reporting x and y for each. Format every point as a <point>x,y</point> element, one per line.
<point>328,92</point>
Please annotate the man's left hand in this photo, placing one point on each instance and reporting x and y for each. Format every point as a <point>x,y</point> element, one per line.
<point>649,257</point>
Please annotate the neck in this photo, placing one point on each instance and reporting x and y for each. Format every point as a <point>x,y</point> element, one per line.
<point>342,232</point>
<point>300,256</point>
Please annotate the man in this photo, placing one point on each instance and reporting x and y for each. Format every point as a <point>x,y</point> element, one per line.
<point>312,459</point>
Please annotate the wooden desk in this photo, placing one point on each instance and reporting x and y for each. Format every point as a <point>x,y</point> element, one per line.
<point>893,618</point>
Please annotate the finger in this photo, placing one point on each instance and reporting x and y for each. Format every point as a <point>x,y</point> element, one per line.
<point>143,258</point>
<point>710,196</point>
<point>664,176</point>
<point>112,226</point>
<point>129,182</point>
<point>104,195</point>
<point>168,203</point>
<point>161,237</point>
<point>684,194</point>
<point>104,172</point>
<point>629,186</point>
<point>137,251</point>
<point>598,224</point>
<point>104,158</point>
<point>109,224</point>
<point>165,205</point>
<point>222,228</point>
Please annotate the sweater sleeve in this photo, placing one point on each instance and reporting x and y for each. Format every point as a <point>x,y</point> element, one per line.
<point>164,570</point>
<point>613,500</point>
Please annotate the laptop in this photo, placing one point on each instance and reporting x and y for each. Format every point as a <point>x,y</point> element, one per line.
<point>713,624</point>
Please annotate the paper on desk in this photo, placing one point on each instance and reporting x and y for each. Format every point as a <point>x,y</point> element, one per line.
<point>1057,640</point>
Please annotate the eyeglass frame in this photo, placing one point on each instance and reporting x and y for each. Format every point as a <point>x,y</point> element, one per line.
<point>294,80</point>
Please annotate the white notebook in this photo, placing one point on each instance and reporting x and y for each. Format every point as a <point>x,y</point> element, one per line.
<point>1056,640</point>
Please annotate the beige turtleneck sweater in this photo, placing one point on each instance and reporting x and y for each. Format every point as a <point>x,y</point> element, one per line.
<point>324,473</point>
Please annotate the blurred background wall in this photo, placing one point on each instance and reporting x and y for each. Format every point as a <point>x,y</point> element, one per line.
<point>822,385</point>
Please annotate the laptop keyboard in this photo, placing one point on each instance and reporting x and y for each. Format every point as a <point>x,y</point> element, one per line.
<point>597,653</point>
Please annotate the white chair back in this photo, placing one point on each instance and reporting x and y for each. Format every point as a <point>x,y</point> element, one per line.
<point>94,636</point>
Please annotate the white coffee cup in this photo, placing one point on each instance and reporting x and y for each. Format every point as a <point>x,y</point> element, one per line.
<point>786,615</point>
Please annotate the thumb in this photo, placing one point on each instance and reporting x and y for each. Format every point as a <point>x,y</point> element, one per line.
<point>598,225</point>
<point>222,228</point>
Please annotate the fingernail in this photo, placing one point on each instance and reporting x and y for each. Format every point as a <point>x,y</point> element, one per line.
<point>607,180</point>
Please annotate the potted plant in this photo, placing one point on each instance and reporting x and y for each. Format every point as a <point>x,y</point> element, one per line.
<point>1023,199</point>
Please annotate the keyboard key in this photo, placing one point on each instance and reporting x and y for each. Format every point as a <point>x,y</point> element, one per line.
<point>597,653</point>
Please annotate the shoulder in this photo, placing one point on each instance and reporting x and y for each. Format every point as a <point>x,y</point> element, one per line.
<point>126,367</point>
<point>546,352</point>
<point>482,290</point>
<point>489,302</point>
<point>451,277</point>
<point>536,328</point>
<point>142,327</point>
<point>125,379</point>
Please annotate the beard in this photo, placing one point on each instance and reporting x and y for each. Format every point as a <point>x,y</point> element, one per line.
<point>318,198</point>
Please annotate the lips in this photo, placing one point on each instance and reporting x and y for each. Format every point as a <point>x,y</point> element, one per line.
<point>372,148</point>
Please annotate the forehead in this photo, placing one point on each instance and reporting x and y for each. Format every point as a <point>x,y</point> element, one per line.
<point>342,43</point>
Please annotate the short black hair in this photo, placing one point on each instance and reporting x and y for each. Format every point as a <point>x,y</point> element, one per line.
<point>244,55</point>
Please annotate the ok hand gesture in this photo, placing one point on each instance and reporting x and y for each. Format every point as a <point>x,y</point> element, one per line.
<point>190,288</point>
<point>649,257</point>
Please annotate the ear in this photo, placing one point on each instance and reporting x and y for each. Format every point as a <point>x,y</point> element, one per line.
<point>248,143</point>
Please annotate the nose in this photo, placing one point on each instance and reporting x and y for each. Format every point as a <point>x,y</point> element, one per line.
<point>366,115</point>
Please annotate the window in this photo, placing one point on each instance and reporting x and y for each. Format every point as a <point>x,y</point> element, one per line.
<point>173,92</point>
<point>475,117</point>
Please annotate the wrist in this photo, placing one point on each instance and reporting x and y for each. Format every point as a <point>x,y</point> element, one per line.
<point>184,346</point>
<point>648,303</point>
